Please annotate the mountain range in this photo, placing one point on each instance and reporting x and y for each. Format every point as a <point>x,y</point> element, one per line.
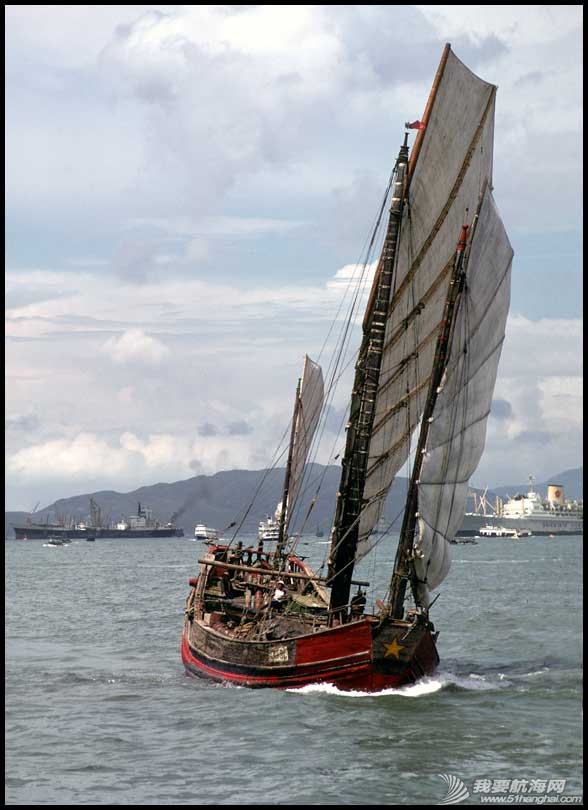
<point>225,497</point>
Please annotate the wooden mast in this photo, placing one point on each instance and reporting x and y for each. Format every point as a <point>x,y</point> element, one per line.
<point>350,502</point>
<point>427,114</point>
<point>416,149</point>
<point>282,528</point>
<point>345,534</point>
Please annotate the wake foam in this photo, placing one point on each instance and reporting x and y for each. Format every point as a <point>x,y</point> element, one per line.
<point>426,686</point>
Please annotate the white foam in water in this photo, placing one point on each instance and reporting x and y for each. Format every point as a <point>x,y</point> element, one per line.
<point>474,682</point>
<point>531,674</point>
<point>426,686</point>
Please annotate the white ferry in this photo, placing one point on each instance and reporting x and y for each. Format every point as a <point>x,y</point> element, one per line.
<point>501,531</point>
<point>269,529</point>
<point>202,532</point>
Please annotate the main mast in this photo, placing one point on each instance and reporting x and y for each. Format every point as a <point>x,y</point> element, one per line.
<point>403,568</point>
<point>345,534</point>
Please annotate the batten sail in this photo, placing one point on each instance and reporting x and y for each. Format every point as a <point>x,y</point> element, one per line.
<point>309,406</point>
<point>454,165</point>
<point>458,428</point>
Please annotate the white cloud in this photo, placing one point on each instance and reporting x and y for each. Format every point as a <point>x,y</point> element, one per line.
<point>129,459</point>
<point>353,272</point>
<point>542,348</point>
<point>187,104</point>
<point>176,305</point>
<point>518,25</point>
<point>134,345</point>
<point>540,376</point>
<point>540,370</point>
<point>86,455</point>
<point>562,403</point>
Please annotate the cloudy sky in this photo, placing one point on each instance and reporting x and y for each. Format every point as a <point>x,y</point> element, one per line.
<point>186,190</point>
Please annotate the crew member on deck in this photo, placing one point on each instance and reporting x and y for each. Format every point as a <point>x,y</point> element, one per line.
<point>358,605</point>
<point>250,589</point>
<point>279,597</point>
<point>235,556</point>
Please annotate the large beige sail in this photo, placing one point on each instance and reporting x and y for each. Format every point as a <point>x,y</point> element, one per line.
<point>458,428</point>
<point>454,166</point>
<point>310,403</point>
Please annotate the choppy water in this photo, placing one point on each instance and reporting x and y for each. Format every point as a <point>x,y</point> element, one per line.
<point>99,710</point>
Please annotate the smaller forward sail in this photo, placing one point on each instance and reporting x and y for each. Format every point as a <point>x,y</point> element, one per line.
<point>309,406</point>
<point>457,431</point>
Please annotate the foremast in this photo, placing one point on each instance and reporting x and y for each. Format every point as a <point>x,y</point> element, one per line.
<point>283,516</point>
<point>345,532</point>
<point>403,569</point>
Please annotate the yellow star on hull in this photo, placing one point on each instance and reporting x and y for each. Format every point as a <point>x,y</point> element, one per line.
<point>394,648</point>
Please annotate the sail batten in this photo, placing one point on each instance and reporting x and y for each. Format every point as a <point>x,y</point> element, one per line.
<point>427,295</point>
<point>403,403</point>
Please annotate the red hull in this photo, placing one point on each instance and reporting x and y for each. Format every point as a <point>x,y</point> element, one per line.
<point>350,657</point>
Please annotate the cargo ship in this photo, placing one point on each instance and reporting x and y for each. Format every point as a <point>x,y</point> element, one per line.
<point>551,515</point>
<point>140,525</point>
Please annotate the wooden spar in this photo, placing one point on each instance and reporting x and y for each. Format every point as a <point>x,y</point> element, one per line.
<point>272,571</point>
<point>282,527</point>
<point>345,535</point>
<point>418,141</point>
<point>412,161</point>
<point>403,569</point>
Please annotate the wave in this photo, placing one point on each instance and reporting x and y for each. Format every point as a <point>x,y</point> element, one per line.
<point>470,682</point>
<point>426,686</point>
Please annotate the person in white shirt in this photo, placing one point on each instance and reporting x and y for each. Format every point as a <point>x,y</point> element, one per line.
<point>279,596</point>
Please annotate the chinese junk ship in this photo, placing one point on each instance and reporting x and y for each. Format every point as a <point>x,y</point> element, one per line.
<point>424,377</point>
<point>140,525</point>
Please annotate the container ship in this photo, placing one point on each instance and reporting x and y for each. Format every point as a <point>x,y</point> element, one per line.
<point>140,525</point>
<point>551,515</point>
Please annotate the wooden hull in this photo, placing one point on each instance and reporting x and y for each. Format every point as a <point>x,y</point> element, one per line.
<point>363,655</point>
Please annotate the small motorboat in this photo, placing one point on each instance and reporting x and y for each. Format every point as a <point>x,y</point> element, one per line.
<point>54,541</point>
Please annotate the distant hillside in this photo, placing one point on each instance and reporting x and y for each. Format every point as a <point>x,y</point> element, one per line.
<point>220,499</point>
<point>216,500</point>
<point>572,482</point>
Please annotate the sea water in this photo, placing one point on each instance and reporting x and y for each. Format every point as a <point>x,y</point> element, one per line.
<point>100,711</point>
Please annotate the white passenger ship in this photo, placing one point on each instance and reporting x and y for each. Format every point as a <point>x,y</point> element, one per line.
<point>269,529</point>
<point>202,532</point>
<point>530,512</point>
